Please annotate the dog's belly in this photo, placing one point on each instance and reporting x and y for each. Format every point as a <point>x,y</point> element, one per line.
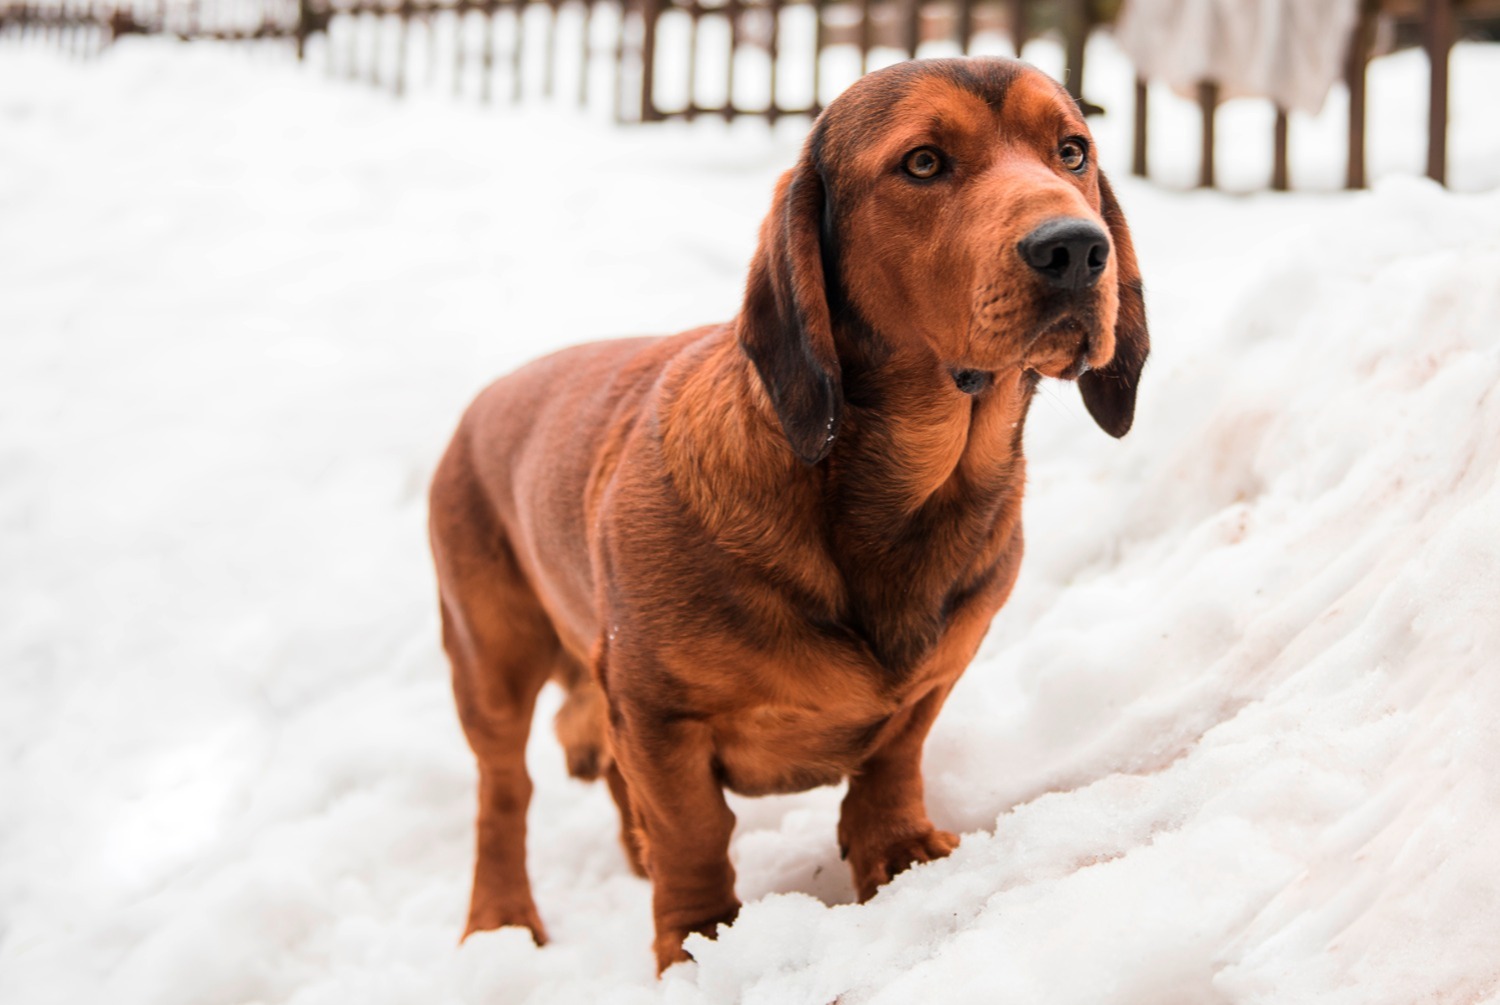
<point>776,750</point>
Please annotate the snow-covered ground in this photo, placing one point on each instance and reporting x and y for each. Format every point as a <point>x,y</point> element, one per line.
<point>1233,740</point>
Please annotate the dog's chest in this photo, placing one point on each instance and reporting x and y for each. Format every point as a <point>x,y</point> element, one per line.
<point>836,707</point>
<point>768,749</point>
<point>822,727</point>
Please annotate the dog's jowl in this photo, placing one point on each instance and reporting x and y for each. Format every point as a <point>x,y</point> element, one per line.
<point>758,555</point>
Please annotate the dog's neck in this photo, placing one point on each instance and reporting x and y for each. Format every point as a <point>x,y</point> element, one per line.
<point>923,491</point>
<point>915,510</point>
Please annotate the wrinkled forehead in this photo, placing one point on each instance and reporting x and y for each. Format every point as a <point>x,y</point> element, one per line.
<point>941,101</point>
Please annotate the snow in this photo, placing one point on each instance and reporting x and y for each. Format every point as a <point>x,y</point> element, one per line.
<point>1232,740</point>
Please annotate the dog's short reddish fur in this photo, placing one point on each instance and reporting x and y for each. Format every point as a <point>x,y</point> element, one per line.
<point>759,554</point>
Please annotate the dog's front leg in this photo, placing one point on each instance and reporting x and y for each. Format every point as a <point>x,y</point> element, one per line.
<point>680,807</point>
<point>883,825</point>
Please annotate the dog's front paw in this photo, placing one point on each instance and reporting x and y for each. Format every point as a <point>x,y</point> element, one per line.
<point>874,863</point>
<point>669,939</point>
<point>485,917</point>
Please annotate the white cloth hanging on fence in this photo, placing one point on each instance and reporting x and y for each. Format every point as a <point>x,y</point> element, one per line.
<point>1290,51</point>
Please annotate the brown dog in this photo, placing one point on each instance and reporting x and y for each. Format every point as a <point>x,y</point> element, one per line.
<point>758,555</point>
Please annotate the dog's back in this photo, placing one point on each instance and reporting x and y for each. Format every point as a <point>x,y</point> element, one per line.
<point>514,483</point>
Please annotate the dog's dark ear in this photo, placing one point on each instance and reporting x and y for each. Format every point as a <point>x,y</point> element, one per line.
<point>784,327</point>
<point>1109,392</point>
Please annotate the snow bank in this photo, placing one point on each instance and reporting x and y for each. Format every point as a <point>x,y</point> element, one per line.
<point>1232,740</point>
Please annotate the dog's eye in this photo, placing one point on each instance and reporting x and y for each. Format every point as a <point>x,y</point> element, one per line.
<point>1074,153</point>
<point>923,163</point>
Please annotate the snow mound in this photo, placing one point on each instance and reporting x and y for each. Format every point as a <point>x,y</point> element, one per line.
<point>1238,740</point>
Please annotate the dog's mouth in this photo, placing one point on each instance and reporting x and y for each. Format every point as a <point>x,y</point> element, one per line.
<point>1062,349</point>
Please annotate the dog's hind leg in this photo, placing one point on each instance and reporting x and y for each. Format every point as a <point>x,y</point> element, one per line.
<point>582,726</point>
<point>582,723</point>
<point>502,648</point>
<point>497,673</point>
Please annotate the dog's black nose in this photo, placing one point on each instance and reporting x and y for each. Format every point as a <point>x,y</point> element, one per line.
<point>1067,251</point>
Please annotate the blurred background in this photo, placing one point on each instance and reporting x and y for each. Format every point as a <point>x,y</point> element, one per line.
<point>654,60</point>
<point>1231,740</point>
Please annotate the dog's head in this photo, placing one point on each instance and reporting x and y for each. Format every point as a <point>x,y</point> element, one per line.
<point>951,209</point>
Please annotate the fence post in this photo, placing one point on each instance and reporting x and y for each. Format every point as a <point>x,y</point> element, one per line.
<point>404,14</point>
<point>303,28</point>
<point>820,30</point>
<point>1138,160</point>
<point>866,34</point>
<point>549,53</point>
<point>1020,28</point>
<point>964,28</point>
<point>650,11</point>
<point>518,53</point>
<point>1280,177</point>
<point>460,44</point>
<point>487,54</point>
<point>1075,27</point>
<point>1439,39</point>
<point>773,109</point>
<point>1355,73</point>
<point>1208,105</point>
<point>377,26</point>
<point>732,11</point>
<point>585,55</point>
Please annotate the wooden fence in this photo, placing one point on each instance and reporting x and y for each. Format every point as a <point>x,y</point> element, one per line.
<point>650,60</point>
<point>655,59</point>
<point>1433,24</point>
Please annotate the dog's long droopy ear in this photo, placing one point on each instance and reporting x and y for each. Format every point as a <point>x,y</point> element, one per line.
<point>784,327</point>
<point>1109,392</point>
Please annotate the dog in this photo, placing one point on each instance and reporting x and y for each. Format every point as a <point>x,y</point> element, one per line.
<point>758,555</point>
